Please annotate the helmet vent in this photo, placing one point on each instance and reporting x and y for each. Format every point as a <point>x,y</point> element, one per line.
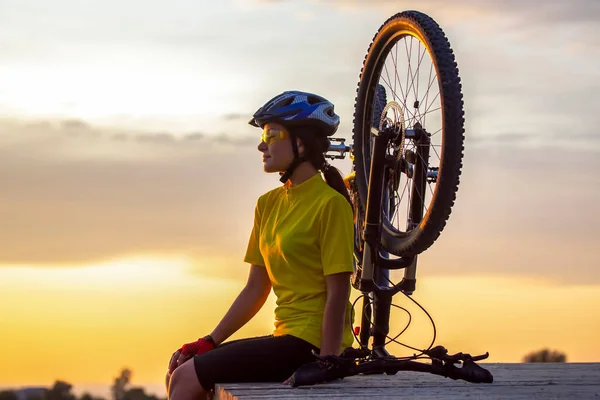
<point>287,102</point>
<point>313,100</point>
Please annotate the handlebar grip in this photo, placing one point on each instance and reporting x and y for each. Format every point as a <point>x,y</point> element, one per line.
<point>481,357</point>
<point>472,372</point>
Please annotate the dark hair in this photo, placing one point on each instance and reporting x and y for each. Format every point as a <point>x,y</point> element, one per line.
<point>315,146</point>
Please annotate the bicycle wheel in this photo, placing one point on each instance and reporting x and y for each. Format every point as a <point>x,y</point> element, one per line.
<point>424,90</point>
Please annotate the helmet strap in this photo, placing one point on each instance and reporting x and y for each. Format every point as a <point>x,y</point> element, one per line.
<point>295,162</point>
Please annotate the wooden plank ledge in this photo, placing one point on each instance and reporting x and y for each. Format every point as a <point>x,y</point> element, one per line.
<point>514,381</point>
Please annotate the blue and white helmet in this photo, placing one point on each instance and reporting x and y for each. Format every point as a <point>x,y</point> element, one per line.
<point>298,108</point>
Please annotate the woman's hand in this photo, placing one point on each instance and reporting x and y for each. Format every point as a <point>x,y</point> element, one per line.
<point>175,361</point>
<point>188,351</point>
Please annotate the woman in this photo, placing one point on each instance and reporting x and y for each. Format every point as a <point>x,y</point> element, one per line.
<point>301,247</point>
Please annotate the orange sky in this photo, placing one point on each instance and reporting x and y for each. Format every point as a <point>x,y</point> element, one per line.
<point>82,324</point>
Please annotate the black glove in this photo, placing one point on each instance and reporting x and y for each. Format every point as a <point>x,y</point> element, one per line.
<point>325,369</point>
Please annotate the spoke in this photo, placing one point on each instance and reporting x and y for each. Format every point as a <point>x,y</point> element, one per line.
<point>430,111</point>
<point>402,195</point>
<point>436,132</point>
<point>430,189</point>
<point>404,94</point>
<point>432,101</point>
<point>396,206</point>
<point>430,80</point>
<point>426,97</point>
<point>397,78</point>
<point>411,74</point>
<point>404,104</point>
<point>419,73</point>
<point>414,88</point>
<point>388,76</point>
<point>408,72</point>
<point>435,151</point>
<point>396,66</point>
<point>421,56</point>
<point>395,214</point>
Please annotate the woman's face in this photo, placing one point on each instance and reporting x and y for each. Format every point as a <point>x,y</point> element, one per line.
<point>276,148</point>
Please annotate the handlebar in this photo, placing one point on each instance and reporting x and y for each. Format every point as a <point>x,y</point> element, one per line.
<point>440,353</point>
<point>330,368</point>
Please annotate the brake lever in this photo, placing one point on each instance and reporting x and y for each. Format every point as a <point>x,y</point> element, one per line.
<point>440,353</point>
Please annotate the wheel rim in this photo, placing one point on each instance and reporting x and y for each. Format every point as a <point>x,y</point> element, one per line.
<point>407,72</point>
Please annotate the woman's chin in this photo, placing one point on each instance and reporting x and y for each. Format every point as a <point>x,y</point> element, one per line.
<point>270,167</point>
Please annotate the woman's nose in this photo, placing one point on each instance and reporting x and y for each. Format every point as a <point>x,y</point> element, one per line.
<point>262,146</point>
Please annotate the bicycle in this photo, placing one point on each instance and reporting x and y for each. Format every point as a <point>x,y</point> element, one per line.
<point>392,145</point>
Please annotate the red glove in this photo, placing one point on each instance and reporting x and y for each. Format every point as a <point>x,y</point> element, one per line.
<point>200,346</point>
<point>188,350</point>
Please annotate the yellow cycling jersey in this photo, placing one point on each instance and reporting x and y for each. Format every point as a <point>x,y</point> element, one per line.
<point>301,234</point>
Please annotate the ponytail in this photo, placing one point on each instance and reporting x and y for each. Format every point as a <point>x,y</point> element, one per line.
<point>316,146</point>
<point>334,178</point>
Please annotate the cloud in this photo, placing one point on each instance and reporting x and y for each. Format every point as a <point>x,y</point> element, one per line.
<point>582,138</point>
<point>521,210</point>
<point>236,117</point>
<point>195,136</point>
<point>76,199</point>
<point>164,138</point>
<point>75,125</point>
<point>531,10</point>
<point>13,130</point>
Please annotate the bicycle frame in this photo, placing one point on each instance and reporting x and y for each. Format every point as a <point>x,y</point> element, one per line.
<point>374,278</point>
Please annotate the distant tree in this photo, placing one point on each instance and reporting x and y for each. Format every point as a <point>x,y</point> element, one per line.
<point>87,396</point>
<point>138,393</point>
<point>8,395</point>
<point>119,387</point>
<point>544,356</point>
<point>61,390</point>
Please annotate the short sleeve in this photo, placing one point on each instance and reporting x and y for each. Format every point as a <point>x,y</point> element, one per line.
<point>253,255</point>
<point>337,236</point>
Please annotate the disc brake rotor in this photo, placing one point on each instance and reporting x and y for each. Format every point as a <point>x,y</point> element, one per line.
<point>393,115</point>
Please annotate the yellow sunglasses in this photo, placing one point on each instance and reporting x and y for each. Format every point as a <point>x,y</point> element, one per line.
<point>270,136</point>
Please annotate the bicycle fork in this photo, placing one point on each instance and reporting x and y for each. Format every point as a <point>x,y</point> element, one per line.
<point>371,277</point>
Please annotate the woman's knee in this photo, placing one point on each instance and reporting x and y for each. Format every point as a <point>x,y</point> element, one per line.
<point>184,383</point>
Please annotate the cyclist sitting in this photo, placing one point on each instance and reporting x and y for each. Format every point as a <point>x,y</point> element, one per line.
<point>301,246</point>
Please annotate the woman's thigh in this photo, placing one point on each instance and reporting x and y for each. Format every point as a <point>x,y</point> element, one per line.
<point>261,359</point>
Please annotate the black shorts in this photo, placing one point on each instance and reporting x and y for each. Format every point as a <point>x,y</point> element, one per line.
<point>260,359</point>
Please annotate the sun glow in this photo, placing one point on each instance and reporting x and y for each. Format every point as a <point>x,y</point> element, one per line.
<point>123,312</point>
<point>115,273</point>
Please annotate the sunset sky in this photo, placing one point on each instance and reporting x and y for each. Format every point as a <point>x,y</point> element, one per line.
<point>129,175</point>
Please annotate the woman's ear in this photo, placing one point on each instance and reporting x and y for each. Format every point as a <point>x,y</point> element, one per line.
<point>300,145</point>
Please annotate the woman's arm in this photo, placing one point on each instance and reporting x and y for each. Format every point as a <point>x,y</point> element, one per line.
<point>246,305</point>
<point>338,292</point>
